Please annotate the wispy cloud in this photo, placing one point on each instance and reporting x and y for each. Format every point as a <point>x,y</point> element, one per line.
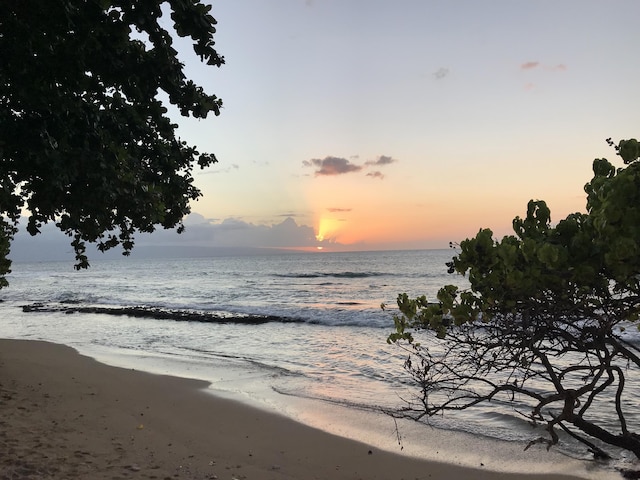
<point>540,67</point>
<point>441,73</point>
<point>375,175</point>
<point>381,160</point>
<point>288,215</point>
<point>332,166</point>
<point>559,67</point>
<point>230,168</point>
<point>529,65</point>
<point>338,210</point>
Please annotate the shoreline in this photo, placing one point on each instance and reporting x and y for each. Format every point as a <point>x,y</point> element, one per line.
<point>371,426</point>
<point>64,415</point>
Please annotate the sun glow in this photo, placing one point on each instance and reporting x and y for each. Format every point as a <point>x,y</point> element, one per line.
<point>327,229</point>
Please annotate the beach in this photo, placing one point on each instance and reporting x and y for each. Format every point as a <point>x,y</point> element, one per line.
<point>66,416</point>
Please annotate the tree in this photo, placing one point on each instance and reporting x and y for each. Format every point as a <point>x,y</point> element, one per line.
<point>85,140</point>
<point>543,321</point>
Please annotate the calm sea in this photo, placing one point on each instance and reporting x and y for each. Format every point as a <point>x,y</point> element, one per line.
<point>320,350</point>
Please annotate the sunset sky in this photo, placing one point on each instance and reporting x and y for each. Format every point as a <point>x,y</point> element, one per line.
<point>409,123</point>
<point>377,124</point>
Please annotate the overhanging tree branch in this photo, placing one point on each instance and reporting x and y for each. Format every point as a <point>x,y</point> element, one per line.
<point>85,141</point>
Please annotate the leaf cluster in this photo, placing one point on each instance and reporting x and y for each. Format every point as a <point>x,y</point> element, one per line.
<point>586,263</point>
<point>85,140</point>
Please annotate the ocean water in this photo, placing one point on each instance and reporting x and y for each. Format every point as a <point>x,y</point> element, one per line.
<point>300,333</point>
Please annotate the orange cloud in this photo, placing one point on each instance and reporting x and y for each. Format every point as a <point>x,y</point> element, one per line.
<point>560,67</point>
<point>529,65</point>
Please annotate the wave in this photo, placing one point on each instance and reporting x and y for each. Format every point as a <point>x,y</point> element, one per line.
<point>291,392</point>
<point>162,314</point>
<point>349,274</point>
<point>332,274</point>
<point>341,317</point>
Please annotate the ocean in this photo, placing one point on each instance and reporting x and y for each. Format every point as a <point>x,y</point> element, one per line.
<point>299,333</point>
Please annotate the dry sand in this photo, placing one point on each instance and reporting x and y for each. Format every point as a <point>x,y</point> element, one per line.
<point>66,416</point>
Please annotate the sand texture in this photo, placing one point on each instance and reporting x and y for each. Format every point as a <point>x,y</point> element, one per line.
<point>66,416</point>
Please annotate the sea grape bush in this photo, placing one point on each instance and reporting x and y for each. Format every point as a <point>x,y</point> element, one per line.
<point>544,318</point>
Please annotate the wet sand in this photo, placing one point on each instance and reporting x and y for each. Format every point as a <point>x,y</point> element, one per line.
<point>66,416</point>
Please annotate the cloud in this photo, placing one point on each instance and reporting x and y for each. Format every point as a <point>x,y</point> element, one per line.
<point>441,73</point>
<point>329,166</point>
<point>235,232</point>
<point>381,160</point>
<point>200,236</point>
<point>230,168</point>
<point>194,219</point>
<point>287,215</point>
<point>332,166</point>
<point>529,65</point>
<point>338,210</point>
<point>560,67</point>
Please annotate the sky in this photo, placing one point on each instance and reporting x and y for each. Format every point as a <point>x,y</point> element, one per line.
<point>393,124</point>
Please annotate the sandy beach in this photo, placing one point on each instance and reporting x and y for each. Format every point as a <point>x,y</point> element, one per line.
<point>66,416</point>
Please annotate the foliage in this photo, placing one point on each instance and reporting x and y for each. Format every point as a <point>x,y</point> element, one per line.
<point>543,322</point>
<point>85,140</point>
